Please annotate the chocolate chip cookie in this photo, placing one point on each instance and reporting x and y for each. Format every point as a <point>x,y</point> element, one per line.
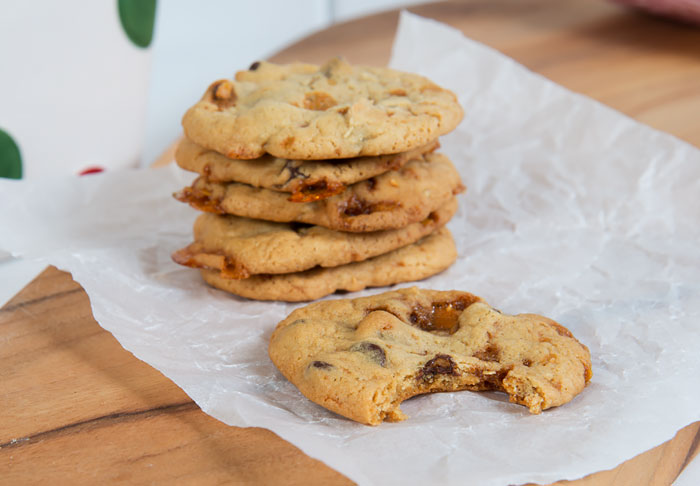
<point>240,247</point>
<point>389,201</point>
<point>302,111</point>
<point>361,358</point>
<point>416,261</point>
<point>306,180</point>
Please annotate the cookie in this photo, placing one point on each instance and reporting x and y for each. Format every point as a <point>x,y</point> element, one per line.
<point>240,247</point>
<point>302,111</point>
<point>416,261</point>
<point>361,358</point>
<point>306,180</point>
<point>389,201</point>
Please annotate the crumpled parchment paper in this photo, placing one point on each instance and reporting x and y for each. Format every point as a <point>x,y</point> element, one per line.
<point>572,211</point>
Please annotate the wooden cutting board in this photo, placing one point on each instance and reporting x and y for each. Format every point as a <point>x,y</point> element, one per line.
<point>76,408</point>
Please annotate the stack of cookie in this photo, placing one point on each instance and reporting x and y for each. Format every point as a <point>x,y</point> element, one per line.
<point>317,179</point>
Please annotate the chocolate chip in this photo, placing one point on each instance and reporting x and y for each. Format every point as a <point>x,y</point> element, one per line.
<point>292,167</point>
<point>254,66</point>
<point>322,365</point>
<point>355,206</point>
<point>441,364</point>
<point>372,351</point>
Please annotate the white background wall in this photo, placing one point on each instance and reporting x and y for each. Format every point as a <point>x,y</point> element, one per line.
<point>198,42</point>
<point>194,44</point>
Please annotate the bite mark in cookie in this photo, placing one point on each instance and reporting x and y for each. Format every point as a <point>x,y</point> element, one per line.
<point>441,364</point>
<point>430,341</point>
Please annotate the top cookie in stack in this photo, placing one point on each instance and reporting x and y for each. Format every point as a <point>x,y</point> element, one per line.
<point>320,179</point>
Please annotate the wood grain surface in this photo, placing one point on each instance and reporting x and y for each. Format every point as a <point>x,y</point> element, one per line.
<point>76,408</point>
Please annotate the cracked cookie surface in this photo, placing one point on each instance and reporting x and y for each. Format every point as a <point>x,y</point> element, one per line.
<point>422,259</point>
<point>361,358</point>
<point>388,201</point>
<point>306,180</point>
<point>240,247</point>
<point>303,111</point>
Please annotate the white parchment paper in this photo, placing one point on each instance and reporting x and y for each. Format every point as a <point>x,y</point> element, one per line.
<point>573,211</point>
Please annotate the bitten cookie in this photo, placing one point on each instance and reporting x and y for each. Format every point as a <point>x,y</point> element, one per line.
<point>416,261</point>
<point>361,358</point>
<point>389,201</point>
<point>306,180</point>
<point>302,111</point>
<point>240,247</point>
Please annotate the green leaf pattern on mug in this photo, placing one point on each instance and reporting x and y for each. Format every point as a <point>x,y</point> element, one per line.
<point>10,158</point>
<point>137,18</point>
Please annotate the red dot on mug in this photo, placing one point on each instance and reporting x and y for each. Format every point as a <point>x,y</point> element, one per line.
<point>93,169</point>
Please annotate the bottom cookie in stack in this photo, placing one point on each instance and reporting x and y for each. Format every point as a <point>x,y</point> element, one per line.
<point>426,257</point>
<point>292,262</point>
